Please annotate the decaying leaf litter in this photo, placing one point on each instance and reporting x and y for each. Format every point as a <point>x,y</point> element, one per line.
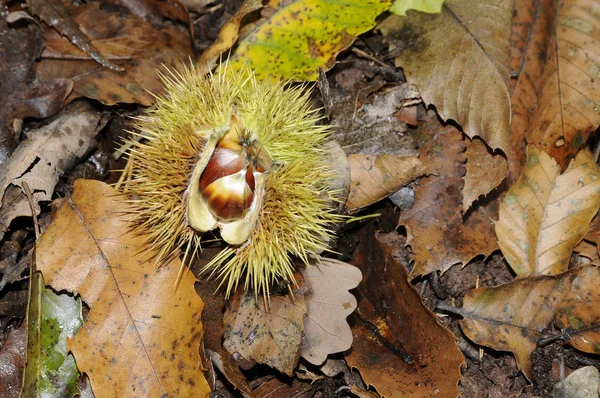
<point>487,242</point>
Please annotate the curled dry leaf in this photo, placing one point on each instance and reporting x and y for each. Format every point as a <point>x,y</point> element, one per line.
<point>545,213</point>
<point>43,157</point>
<point>374,178</point>
<point>140,46</point>
<point>142,334</point>
<point>329,303</point>
<point>399,347</point>
<point>567,111</point>
<point>485,171</point>
<point>301,37</point>
<point>512,317</point>
<point>266,335</point>
<point>459,59</point>
<point>439,234</point>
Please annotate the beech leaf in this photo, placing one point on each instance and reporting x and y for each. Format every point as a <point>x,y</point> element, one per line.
<point>374,178</point>
<point>545,213</point>
<point>459,59</point>
<point>142,335</point>
<point>328,305</point>
<point>512,317</point>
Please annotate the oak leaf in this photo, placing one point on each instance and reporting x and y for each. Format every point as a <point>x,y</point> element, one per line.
<point>142,334</point>
<point>546,213</point>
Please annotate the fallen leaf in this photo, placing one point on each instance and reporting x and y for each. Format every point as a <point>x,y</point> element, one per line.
<point>266,335</point>
<point>43,157</point>
<point>511,317</point>
<point>228,34</point>
<point>374,178</point>
<point>438,233</point>
<point>589,251</point>
<point>12,362</point>
<point>545,213</point>
<point>302,37</point>
<point>530,44</point>
<point>142,334</point>
<point>56,15</point>
<point>399,346</point>
<point>459,59</point>
<point>567,109</point>
<point>328,304</point>
<point>52,318</point>
<point>429,6</point>
<point>485,171</point>
<point>140,47</point>
<point>22,93</point>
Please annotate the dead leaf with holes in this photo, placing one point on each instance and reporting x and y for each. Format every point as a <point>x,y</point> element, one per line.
<point>399,346</point>
<point>328,304</point>
<point>485,171</point>
<point>546,213</point>
<point>373,178</point>
<point>272,336</point>
<point>438,232</point>
<point>142,335</point>
<point>567,109</point>
<point>43,157</point>
<point>512,317</point>
<point>459,60</point>
<point>140,45</point>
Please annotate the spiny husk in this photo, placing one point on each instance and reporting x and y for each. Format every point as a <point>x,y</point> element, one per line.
<point>297,211</point>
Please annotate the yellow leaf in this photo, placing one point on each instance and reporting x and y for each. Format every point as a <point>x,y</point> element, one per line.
<point>429,6</point>
<point>142,335</point>
<point>545,214</point>
<point>305,35</point>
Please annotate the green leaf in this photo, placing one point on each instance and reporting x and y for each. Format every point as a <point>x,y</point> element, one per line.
<point>50,370</point>
<point>306,35</point>
<point>429,6</point>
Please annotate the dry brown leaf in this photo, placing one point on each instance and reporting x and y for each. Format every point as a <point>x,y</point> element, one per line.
<point>43,157</point>
<point>328,304</point>
<point>531,40</point>
<point>132,42</point>
<point>374,178</point>
<point>459,59</point>
<point>271,336</point>
<point>512,317</point>
<point>485,171</point>
<point>567,111</point>
<point>393,324</point>
<point>12,362</point>
<point>545,213</point>
<point>589,251</point>
<point>142,335</point>
<point>22,94</point>
<point>437,231</point>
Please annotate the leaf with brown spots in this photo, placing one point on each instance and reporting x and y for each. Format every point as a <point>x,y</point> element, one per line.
<point>459,59</point>
<point>373,178</point>
<point>399,346</point>
<point>546,213</point>
<point>302,37</point>
<point>271,336</point>
<point>439,234</point>
<point>485,171</point>
<point>139,45</point>
<point>568,105</point>
<point>512,317</point>
<point>142,335</point>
